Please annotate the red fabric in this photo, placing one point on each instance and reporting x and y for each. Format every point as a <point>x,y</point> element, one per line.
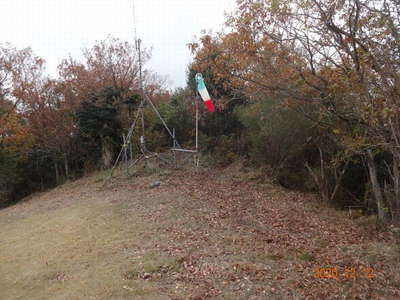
<point>210,105</point>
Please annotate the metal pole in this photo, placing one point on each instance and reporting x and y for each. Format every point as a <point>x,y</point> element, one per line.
<point>197,125</point>
<point>162,120</point>
<point>129,136</point>
<point>145,97</point>
<point>125,153</point>
<point>196,158</point>
<point>142,137</point>
<point>173,147</point>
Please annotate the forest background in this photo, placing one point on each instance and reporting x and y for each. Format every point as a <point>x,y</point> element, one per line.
<point>306,90</point>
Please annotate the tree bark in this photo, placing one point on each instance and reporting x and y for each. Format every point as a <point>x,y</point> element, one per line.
<point>57,173</point>
<point>107,153</point>
<point>66,166</point>
<point>376,189</point>
<point>396,186</point>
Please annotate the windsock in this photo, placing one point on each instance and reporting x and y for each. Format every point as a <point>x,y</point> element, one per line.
<point>201,87</point>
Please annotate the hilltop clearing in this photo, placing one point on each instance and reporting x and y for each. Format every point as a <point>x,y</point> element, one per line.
<point>198,235</point>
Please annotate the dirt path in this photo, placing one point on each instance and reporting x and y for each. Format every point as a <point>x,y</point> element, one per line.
<point>197,236</point>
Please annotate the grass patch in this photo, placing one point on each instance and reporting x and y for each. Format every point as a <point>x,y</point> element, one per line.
<point>275,256</point>
<point>307,257</point>
<point>152,265</point>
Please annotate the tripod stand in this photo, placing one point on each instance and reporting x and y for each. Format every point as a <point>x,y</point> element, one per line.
<point>144,152</point>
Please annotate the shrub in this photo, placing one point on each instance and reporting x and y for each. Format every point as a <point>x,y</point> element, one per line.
<point>278,137</point>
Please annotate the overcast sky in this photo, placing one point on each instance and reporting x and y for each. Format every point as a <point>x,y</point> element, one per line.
<point>56,28</point>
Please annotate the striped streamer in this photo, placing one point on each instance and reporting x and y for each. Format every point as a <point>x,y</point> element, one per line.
<point>201,87</point>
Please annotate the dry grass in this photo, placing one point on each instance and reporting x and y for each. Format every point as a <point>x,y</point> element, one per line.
<point>72,243</point>
<point>197,236</point>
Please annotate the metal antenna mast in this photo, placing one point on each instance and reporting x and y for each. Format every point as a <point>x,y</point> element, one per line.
<point>145,154</point>
<point>134,19</point>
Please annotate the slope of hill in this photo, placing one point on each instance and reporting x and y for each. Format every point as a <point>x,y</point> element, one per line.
<point>211,234</point>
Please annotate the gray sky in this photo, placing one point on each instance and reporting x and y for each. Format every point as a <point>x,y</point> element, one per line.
<point>56,28</point>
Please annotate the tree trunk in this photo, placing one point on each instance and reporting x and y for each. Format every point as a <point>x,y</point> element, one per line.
<point>66,166</point>
<point>338,180</point>
<point>375,185</point>
<point>320,179</point>
<point>40,174</point>
<point>107,153</point>
<point>56,169</point>
<point>396,186</point>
